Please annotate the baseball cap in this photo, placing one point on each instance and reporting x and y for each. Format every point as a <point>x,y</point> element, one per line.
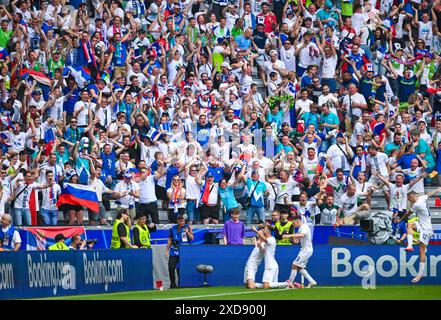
<point>273,52</point>
<point>128,174</point>
<point>187,87</point>
<point>226,65</point>
<point>209,175</point>
<point>340,135</point>
<point>170,87</point>
<point>59,237</point>
<point>394,98</point>
<point>175,123</point>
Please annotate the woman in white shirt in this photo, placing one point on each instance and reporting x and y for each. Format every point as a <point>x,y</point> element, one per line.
<point>177,203</point>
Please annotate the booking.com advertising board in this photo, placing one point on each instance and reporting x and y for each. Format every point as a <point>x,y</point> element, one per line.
<point>58,273</point>
<point>329,265</point>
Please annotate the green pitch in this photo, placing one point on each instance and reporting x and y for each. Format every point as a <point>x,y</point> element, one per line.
<point>411,292</point>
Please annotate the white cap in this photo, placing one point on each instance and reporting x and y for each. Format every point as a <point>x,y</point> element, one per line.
<point>226,65</point>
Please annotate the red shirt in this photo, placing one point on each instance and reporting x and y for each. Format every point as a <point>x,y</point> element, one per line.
<point>269,20</point>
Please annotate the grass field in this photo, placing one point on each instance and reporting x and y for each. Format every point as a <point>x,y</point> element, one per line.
<point>411,292</point>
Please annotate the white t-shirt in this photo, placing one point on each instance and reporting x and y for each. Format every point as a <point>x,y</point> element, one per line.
<point>83,116</point>
<point>269,67</point>
<point>22,201</point>
<point>419,186</point>
<point>100,188</point>
<point>356,98</point>
<point>398,196</point>
<point>50,197</point>
<point>288,58</point>
<point>284,190</point>
<point>329,67</point>
<point>303,104</point>
<point>338,157</point>
<point>349,204</point>
<point>306,55</point>
<point>127,200</point>
<point>147,190</point>
<point>378,163</point>
<point>339,188</point>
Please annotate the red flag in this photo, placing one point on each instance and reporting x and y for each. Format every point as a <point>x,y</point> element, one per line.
<point>33,207</point>
<point>438,202</point>
<point>206,193</point>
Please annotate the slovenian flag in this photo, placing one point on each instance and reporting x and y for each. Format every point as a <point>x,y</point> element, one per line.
<point>7,122</point>
<point>41,238</point>
<point>379,128</point>
<point>78,194</point>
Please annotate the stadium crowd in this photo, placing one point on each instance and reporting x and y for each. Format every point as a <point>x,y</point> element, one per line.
<point>299,107</point>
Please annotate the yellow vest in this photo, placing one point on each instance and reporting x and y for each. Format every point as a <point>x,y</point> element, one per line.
<point>280,229</point>
<point>116,241</point>
<point>58,246</point>
<point>144,236</point>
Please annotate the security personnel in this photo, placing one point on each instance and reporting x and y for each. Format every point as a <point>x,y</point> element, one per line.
<point>283,227</point>
<point>121,231</point>
<point>59,243</point>
<point>141,233</point>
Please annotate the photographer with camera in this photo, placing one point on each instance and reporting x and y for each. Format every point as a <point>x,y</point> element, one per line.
<point>77,243</point>
<point>181,233</point>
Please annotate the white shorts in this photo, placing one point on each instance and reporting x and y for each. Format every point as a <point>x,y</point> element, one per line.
<point>425,234</point>
<point>271,274</point>
<point>302,259</point>
<point>250,273</point>
<point>377,182</point>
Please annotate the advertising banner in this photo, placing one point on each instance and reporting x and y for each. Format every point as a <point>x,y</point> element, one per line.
<point>329,265</point>
<point>55,273</point>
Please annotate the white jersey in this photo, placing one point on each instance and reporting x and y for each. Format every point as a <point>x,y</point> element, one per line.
<point>270,252</point>
<point>253,262</point>
<point>422,212</point>
<point>306,241</point>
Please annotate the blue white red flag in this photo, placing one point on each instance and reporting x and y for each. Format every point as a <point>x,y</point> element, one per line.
<point>78,194</point>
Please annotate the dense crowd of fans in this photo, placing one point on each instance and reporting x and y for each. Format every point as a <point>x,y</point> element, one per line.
<point>158,103</point>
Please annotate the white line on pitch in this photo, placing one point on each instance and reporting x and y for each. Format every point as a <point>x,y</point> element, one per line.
<point>238,293</point>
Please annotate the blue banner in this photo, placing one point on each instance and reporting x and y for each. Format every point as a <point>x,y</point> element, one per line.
<point>35,274</point>
<point>329,265</point>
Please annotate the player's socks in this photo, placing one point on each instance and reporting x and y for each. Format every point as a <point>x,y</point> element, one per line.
<point>293,275</point>
<point>421,270</point>
<point>278,285</point>
<point>305,273</point>
<point>409,241</point>
<point>259,285</point>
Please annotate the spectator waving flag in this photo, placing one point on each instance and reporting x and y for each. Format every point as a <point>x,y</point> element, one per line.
<point>41,238</point>
<point>81,195</point>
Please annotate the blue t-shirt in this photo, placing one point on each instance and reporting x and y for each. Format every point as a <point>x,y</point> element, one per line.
<point>406,87</point>
<point>218,173</point>
<point>242,42</point>
<point>257,200</point>
<point>227,197</point>
<point>179,238</point>
<point>438,160</point>
<point>109,161</point>
<point>203,133</point>
<point>405,160</point>
<point>171,172</point>
<point>69,103</point>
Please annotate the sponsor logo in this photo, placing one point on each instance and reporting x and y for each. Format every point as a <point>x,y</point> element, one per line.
<point>343,264</point>
<point>43,274</point>
<point>102,271</point>
<point>6,276</point>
